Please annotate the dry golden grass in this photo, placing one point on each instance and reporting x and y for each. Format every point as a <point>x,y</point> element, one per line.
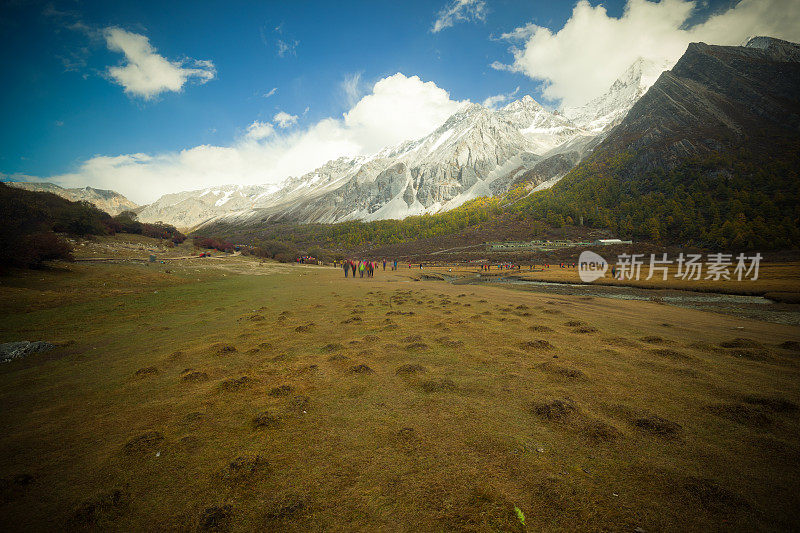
<point>303,401</point>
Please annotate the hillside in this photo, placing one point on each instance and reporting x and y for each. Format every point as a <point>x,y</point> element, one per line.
<point>34,224</point>
<point>708,155</point>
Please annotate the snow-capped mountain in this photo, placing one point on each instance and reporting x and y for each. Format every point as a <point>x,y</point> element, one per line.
<point>608,110</point>
<point>476,152</point>
<point>455,163</point>
<point>188,208</point>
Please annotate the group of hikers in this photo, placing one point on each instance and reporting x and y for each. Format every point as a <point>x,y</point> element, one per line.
<point>367,268</point>
<point>501,266</point>
<point>363,268</point>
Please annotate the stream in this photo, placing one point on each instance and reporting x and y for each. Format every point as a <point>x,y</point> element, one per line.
<point>755,307</point>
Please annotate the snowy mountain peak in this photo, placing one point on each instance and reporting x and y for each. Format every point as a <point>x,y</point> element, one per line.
<point>544,130</point>
<point>642,74</point>
<point>608,110</point>
<point>525,103</point>
<point>777,49</point>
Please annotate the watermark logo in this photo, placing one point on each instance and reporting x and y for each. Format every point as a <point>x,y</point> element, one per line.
<point>716,267</point>
<point>591,266</point>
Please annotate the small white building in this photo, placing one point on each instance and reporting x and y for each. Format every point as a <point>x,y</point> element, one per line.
<point>608,242</point>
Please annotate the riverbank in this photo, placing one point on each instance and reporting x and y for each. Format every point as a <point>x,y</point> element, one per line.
<point>777,278</point>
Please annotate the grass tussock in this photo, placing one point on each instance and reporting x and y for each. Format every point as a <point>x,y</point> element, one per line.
<point>415,417</point>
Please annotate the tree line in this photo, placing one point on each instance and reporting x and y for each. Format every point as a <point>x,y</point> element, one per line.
<point>33,222</point>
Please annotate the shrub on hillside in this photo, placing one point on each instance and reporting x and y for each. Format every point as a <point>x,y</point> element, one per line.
<point>285,257</point>
<point>30,251</point>
<point>126,222</point>
<point>212,243</point>
<point>41,247</point>
<point>280,251</point>
<point>30,220</point>
<point>160,230</point>
<point>320,253</point>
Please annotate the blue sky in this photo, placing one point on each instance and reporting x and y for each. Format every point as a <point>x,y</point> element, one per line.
<point>61,106</point>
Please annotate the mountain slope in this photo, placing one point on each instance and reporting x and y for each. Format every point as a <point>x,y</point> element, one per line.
<point>710,155</point>
<point>111,202</point>
<point>186,209</point>
<point>715,98</point>
<point>455,163</point>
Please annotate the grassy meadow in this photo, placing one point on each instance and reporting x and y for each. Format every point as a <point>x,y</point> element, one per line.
<point>228,394</point>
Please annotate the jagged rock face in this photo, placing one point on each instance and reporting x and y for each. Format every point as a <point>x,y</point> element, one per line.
<point>544,130</point>
<point>189,208</point>
<point>111,202</point>
<point>713,98</point>
<point>551,168</point>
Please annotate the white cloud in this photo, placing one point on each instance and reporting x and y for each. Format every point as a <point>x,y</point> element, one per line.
<point>582,59</point>
<point>460,11</point>
<point>147,74</point>
<point>350,86</point>
<point>287,47</point>
<point>398,108</point>
<point>523,33</point>
<point>284,119</point>
<point>270,93</point>
<point>493,102</point>
<point>19,177</point>
<point>259,130</point>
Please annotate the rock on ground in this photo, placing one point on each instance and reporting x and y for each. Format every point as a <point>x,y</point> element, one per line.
<point>16,350</point>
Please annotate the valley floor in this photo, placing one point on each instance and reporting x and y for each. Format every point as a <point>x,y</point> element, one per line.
<point>231,394</point>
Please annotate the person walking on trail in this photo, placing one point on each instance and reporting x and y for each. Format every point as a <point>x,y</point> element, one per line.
<point>346,268</point>
<point>353,268</point>
<point>384,265</point>
<point>395,265</point>
<point>361,268</point>
<point>370,269</point>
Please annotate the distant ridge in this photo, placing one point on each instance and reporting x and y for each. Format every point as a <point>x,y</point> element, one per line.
<point>111,202</point>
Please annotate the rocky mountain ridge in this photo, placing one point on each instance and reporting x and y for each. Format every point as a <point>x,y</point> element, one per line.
<point>111,202</point>
<point>475,152</point>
